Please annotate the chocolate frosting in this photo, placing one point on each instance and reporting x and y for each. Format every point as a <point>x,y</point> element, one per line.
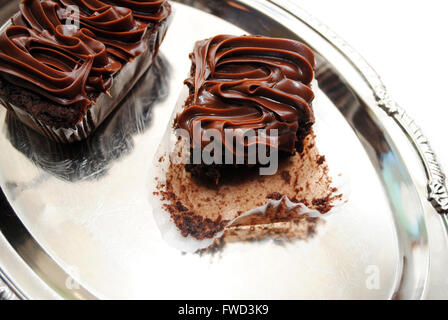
<point>147,10</point>
<point>42,52</point>
<point>251,82</point>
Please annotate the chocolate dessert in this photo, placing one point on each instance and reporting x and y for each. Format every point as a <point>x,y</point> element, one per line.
<point>66,64</point>
<point>247,83</point>
<point>91,159</point>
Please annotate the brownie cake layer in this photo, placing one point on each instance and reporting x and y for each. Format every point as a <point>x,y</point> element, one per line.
<point>202,210</point>
<point>63,81</point>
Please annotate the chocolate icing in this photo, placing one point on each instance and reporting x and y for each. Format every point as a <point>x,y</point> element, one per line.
<point>42,52</point>
<point>251,82</point>
<point>147,10</point>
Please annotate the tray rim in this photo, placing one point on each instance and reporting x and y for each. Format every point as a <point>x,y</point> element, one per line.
<point>437,193</point>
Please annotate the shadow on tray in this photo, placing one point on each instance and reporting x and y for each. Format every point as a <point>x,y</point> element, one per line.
<point>90,159</point>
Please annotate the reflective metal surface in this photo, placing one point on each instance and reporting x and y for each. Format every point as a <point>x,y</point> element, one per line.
<point>79,225</point>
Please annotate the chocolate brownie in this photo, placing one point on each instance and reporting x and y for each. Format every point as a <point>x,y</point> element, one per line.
<point>249,83</point>
<point>66,64</point>
<point>241,83</point>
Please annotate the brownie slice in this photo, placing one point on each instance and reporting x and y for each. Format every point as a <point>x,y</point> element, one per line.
<point>245,83</point>
<point>66,64</point>
<point>249,83</point>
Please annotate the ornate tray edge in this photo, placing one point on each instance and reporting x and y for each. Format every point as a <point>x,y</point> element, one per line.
<point>437,191</point>
<point>5,292</point>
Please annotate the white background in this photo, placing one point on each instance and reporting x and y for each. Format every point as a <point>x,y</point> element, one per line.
<point>407,44</point>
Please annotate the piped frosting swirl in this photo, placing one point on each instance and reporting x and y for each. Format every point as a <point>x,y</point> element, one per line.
<point>251,82</point>
<point>146,10</point>
<point>46,52</point>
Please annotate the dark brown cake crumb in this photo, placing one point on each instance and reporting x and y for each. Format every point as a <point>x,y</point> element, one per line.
<point>196,226</point>
<point>189,223</point>
<point>323,205</point>
<point>320,160</point>
<point>180,207</point>
<point>274,196</point>
<point>286,177</point>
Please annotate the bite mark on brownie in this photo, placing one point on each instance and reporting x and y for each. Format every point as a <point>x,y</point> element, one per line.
<point>211,206</point>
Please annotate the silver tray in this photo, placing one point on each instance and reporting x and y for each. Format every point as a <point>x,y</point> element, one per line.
<point>76,222</point>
